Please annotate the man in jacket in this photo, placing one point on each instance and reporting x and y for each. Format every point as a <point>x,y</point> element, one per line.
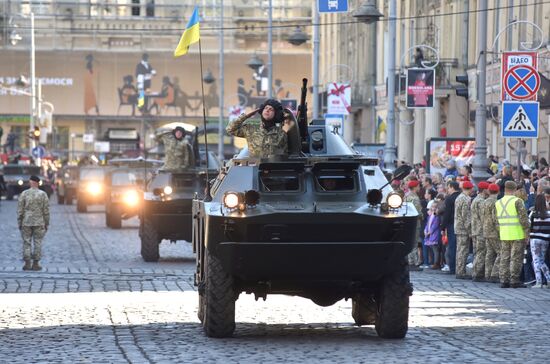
<point>448,222</point>
<point>512,222</point>
<point>462,226</point>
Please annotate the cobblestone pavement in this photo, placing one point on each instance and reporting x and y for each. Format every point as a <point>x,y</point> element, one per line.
<point>96,301</point>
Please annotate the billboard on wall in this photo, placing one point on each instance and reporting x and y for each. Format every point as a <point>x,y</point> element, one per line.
<point>440,150</point>
<point>420,88</point>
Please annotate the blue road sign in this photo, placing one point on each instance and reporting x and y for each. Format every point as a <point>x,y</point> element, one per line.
<point>333,6</point>
<point>520,119</point>
<point>38,152</point>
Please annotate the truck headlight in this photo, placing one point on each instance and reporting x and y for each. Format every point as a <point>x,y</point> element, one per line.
<point>232,200</point>
<point>93,188</point>
<point>394,200</point>
<point>130,198</point>
<point>20,182</point>
<point>167,190</point>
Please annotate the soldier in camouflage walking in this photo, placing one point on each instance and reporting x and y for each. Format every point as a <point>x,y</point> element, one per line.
<point>490,233</point>
<point>412,196</point>
<point>176,149</point>
<point>463,228</point>
<point>33,219</point>
<point>513,222</point>
<point>269,138</point>
<point>478,241</point>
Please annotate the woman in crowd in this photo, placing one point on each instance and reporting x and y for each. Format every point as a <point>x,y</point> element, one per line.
<point>432,233</point>
<point>540,237</point>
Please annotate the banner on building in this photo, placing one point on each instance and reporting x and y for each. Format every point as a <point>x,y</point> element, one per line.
<point>420,88</point>
<point>338,98</point>
<point>439,151</point>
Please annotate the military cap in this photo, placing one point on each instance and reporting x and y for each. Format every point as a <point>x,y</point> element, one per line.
<point>277,106</point>
<point>493,187</point>
<point>467,185</point>
<point>510,185</point>
<point>483,185</point>
<point>34,178</point>
<point>413,183</point>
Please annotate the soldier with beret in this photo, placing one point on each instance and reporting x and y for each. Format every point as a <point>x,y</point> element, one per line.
<point>269,138</point>
<point>33,219</point>
<point>412,196</point>
<point>462,227</point>
<point>176,149</point>
<point>513,223</point>
<point>477,233</point>
<point>490,233</point>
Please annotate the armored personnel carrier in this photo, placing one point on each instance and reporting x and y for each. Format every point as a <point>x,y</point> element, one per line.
<point>321,223</point>
<point>166,205</point>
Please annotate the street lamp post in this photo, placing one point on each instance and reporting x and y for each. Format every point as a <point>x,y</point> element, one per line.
<point>390,148</point>
<point>270,50</point>
<point>221,88</point>
<point>316,43</point>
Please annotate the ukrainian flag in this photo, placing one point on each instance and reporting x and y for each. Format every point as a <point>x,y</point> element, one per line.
<point>190,35</point>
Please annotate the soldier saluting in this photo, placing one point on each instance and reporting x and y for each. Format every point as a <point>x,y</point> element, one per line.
<point>176,149</point>
<point>33,219</point>
<point>269,138</point>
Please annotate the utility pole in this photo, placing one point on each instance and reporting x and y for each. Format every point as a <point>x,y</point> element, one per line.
<point>270,50</point>
<point>480,160</point>
<point>390,149</point>
<point>221,132</point>
<point>316,43</point>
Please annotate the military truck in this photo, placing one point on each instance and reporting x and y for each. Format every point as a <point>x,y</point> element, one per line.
<point>124,186</point>
<point>91,187</point>
<point>321,223</point>
<point>166,209</point>
<point>17,177</point>
<point>66,185</point>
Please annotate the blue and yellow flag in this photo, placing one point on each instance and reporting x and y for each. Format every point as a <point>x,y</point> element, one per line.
<point>190,35</point>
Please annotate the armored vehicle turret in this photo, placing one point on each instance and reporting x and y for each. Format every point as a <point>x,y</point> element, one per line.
<point>321,223</point>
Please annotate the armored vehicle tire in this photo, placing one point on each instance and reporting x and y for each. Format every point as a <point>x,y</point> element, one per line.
<point>107,219</point>
<point>60,199</point>
<point>81,206</point>
<point>393,304</point>
<point>364,310</point>
<point>115,218</point>
<point>219,299</point>
<point>200,311</point>
<point>149,242</point>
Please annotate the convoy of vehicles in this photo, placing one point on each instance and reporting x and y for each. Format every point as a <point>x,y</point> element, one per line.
<point>17,177</point>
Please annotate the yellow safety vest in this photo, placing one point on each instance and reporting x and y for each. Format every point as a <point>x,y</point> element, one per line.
<point>508,219</point>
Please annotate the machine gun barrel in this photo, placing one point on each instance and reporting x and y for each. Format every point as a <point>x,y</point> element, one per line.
<point>302,112</point>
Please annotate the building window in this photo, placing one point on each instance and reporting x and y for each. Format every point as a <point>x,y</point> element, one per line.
<point>136,7</point>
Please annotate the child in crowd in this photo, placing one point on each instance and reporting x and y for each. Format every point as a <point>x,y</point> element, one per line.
<point>432,233</point>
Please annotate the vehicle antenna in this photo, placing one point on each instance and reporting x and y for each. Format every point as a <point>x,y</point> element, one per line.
<point>207,196</point>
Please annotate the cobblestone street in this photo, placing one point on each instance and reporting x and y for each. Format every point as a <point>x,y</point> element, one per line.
<point>96,301</point>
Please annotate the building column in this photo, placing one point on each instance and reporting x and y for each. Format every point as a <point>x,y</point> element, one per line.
<point>419,136</point>
<point>405,140</point>
<point>432,128</point>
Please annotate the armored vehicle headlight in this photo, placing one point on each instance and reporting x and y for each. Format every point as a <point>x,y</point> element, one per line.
<point>93,188</point>
<point>131,198</point>
<point>40,183</point>
<point>20,182</point>
<point>232,200</point>
<point>168,190</point>
<point>394,200</point>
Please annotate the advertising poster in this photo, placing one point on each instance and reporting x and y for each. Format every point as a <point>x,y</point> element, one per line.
<point>441,150</point>
<point>338,98</point>
<point>420,88</point>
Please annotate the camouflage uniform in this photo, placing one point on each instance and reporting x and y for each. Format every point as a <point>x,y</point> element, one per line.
<point>511,251</point>
<point>462,231</point>
<point>262,142</point>
<point>33,219</point>
<point>492,240</point>
<point>477,237</point>
<point>412,197</point>
<point>176,151</point>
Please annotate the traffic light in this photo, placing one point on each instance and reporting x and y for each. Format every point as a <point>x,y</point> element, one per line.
<point>36,133</point>
<point>461,90</point>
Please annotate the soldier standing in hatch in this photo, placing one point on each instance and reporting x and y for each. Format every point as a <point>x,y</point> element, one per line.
<point>33,219</point>
<point>513,222</point>
<point>176,149</point>
<point>463,228</point>
<point>477,233</point>
<point>269,138</point>
<point>412,196</point>
<point>490,233</point>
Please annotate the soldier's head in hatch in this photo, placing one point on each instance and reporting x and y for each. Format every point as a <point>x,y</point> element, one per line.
<point>271,112</point>
<point>179,132</point>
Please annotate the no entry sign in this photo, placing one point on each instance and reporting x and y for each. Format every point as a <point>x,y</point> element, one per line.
<point>522,82</point>
<point>515,59</point>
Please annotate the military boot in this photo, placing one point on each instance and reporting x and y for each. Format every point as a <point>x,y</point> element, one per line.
<point>27,265</point>
<point>36,265</point>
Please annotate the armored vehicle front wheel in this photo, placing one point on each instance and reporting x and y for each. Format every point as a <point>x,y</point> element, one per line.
<point>60,199</point>
<point>219,299</point>
<point>149,242</point>
<point>81,206</point>
<point>200,311</point>
<point>393,304</point>
<point>364,310</point>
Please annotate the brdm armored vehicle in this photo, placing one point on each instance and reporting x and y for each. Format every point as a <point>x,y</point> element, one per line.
<point>166,209</point>
<point>17,179</point>
<point>321,223</point>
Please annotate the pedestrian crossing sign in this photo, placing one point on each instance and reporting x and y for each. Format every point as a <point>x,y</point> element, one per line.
<point>520,119</point>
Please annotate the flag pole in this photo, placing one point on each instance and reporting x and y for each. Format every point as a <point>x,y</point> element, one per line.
<point>207,196</point>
